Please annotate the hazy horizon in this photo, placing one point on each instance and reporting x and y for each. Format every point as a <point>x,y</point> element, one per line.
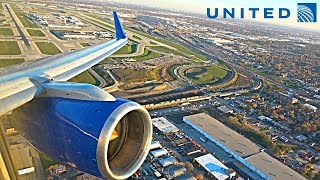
<point>200,6</point>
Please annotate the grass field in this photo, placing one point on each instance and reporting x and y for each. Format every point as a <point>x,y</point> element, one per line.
<point>147,55</point>
<point>9,48</point>
<point>187,52</point>
<point>136,37</point>
<point>25,22</point>
<point>35,32</point>
<point>179,48</point>
<point>84,77</point>
<point>206,75</point>
<point>6,32</point>
<point>48,48</point>
<point>128,49</point>
<point>8,62</point>
<point>167,50</point>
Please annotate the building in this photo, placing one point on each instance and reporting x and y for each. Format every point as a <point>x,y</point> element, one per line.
<point>182,141</point>
<point>186,176</point>
<point>158,153</point>
<point>173,171</point>
<point>190,149</point>
<point>155,145</point>
<point>225,136</point>
<point>301,138</point>
<point>164,126</point>
<point>214,167</point>
<point>272,167</point>
<point>225,110</point>
<point>167,161</point>
<point>249,158</point>
<point>274,123</point>
<point>311,107</point>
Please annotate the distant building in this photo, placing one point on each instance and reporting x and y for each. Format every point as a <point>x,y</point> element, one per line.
<point>158,153</point>
<point>225,110</point>
<point>301,138</point>
<point>186,176</point>
<point>164,126</point>
<point>155,145</point>
<point>274,123</point>
<point>311,107</point>
<point>173,171</point>
<point>215,168</point>
<point>167,161</point>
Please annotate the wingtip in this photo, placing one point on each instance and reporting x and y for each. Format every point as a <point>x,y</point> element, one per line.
<point>120,34</point>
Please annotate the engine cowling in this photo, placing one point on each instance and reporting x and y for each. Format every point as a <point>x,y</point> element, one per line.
<point>107,139</point>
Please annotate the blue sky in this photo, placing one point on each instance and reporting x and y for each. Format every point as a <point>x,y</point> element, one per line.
<point>200,6</point>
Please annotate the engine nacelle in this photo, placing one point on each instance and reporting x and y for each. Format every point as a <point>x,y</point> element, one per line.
<point>107,139</point>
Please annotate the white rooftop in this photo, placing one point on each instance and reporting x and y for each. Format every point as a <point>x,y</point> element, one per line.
<point>164,125</point>
<point>155,145</point>
<point>213,166</point>
<point>159,152</point>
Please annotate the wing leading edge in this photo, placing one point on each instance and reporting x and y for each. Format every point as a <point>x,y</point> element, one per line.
<point>21,83</point>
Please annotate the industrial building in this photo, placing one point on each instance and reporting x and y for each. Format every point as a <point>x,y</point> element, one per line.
<point>155,145</point>
<point>222,134</point>
<point>246,153</point>
<point>214,167</point>
<point>272,167</point>
<point>173,171</point>
<point>167,161</point>
<point>164,126</point>
<point>158,153</point>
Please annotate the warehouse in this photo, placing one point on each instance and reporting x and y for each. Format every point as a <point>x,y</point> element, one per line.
<point>223,135</point>
<point>164,126</point>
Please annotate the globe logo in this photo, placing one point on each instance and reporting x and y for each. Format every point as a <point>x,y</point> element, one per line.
<point>307,12</point>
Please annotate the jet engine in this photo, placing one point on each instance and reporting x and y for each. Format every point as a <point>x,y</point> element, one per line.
<point>84,127</point>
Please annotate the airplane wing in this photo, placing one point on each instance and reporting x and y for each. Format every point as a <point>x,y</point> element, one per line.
<point>21,83</point>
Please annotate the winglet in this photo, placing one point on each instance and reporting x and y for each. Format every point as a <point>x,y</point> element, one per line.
<point>120,34</point>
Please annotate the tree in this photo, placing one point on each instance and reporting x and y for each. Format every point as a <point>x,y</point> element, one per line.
<point>232,118</point>
<point>199,176</point>
<point>254,105</point>
<point>189,166</point>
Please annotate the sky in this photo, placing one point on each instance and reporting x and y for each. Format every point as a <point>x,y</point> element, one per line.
<point>200,6</point>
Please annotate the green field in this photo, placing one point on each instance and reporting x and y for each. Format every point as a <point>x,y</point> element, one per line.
<point>2,20</point>
<point>6,32</point>
<point>8,62</point>
<point>9,48</point>
<point>84,77</point>
<point>167,50</point>
<point>35,32</point>
<point>136,37</point>
<point>48,48</point>
<point>25,21</point>
<point>187,52</point>
<point>147,54</point>
<point>128,49</point>
<point>206,75</point>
